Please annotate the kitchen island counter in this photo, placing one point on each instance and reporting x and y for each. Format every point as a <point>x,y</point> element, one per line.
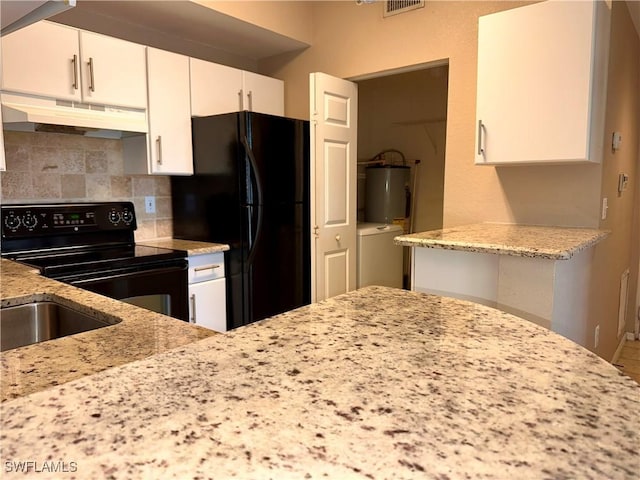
<point>138,334</point>
<point>376,383</point>
<point>540,273</point>
<point>553,243</point>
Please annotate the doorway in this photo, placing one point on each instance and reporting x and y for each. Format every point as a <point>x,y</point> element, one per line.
<point>402,118</point>
<point>407,111</point>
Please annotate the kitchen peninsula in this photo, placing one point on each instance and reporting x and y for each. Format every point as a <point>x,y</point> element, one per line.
<point>375,383</point>
<point>539,273</point>
<point>139,333</point>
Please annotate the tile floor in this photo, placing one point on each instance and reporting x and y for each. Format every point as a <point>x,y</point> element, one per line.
<point>629,361</point>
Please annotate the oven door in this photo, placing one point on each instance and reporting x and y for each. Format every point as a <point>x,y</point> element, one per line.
<point>161,289</point>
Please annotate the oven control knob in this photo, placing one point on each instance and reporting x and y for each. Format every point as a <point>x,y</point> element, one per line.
<point>11,221</point>
<point>127,217</point>
<point>114,217</point>
<point>30,221</point>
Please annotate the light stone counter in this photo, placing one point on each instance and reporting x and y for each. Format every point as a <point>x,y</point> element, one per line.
<point>377,383</point>
<point>554,243</point>
<point>139,334</point>
<point>535,272</point>
<point>189,246</point>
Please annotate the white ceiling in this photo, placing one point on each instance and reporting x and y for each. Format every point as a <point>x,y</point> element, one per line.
<point>189,28</point>
<point>182,26</point>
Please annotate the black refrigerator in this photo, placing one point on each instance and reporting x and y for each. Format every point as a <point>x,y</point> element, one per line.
<point>250,189</point>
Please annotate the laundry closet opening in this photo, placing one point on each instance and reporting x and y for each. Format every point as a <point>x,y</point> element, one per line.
<point>402,121</point>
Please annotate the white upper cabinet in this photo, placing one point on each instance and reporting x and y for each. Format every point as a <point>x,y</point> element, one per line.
<point>262,94</point>
<point>214,88</point>
<point>113,71</point>
<point>169,113</point>
<point>167,149</point>
<point>542,73</point>
<point>61,62</point>
<point>217,89</point>
<point>42,59</point>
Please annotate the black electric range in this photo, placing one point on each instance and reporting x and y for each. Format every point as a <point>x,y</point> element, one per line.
<point>91,245</point>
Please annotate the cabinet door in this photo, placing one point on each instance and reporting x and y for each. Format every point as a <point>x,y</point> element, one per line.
<point>263,94</point>
<point>113,71</point>
<point>207,304</point>
<point>169,113</point>
<point>535,84</point>
<point>42,59</point>
<point>214,88</point>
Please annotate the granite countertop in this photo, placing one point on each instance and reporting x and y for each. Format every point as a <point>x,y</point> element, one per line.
<point>376,383</point>
<point>554,243</point>
<point>189,246</point>
<point>139,334</point>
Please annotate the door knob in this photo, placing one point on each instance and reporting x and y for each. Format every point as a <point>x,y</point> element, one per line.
<point>338,238</point>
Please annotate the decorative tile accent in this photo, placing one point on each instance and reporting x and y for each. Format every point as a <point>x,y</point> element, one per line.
<point>73,186</point>
<point>16,185</point>
<point>43,167</point>
<point>121,187</point>
<point>46,185</point>
<point>96,162</point>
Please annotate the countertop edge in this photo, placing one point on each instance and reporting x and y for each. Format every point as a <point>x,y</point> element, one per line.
<point>415,240</point>
<point>191,247</point>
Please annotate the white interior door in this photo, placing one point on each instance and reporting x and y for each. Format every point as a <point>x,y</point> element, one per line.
<point>334,109</point>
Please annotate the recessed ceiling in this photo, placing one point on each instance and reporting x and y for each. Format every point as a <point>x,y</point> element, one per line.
<point>181,26</point>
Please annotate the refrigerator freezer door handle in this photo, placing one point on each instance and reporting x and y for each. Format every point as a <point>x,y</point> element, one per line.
<point>258,204</point>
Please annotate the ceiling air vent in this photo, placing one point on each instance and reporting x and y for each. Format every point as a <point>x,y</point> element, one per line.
<point>394,7</point>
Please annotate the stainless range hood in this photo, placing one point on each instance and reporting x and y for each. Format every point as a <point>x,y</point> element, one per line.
<point>37,114</point>
<point>15,15</point>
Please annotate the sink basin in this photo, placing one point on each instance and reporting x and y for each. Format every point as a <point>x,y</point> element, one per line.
<point>30,323</point>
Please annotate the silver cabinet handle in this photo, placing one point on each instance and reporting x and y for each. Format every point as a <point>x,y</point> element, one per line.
<point>74,65</point>
<point>241,98</point>
<point>92,85</point>
<point>480,129</point>
<point>159,149</point>
<point>206,267</point>
<point>193,308</point>
<point>250,97</point>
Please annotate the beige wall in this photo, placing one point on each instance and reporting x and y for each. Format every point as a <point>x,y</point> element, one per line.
<point>352,41</point>
<point>51,167</point>
<point>620,250</point>
<point>293,19</point>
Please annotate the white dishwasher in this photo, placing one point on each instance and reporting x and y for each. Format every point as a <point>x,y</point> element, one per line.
<point>207,291</point>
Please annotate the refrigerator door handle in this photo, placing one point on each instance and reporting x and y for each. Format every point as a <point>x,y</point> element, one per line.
<point>258,203</point>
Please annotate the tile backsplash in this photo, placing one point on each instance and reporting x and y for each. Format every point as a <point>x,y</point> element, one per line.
<point>53,167</point>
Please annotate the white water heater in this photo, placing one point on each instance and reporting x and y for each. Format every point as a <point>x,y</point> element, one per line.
<point>387,192</point>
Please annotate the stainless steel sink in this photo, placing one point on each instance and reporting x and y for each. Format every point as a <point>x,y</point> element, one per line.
<point>30,323</point>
